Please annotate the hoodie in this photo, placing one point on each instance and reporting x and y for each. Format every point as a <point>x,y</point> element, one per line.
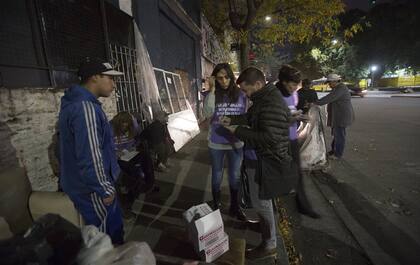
<point>87,153</point>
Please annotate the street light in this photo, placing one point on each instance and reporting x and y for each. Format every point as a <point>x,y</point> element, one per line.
<point>334,42</point>
<point>373,69</point>
<point>267,18</point>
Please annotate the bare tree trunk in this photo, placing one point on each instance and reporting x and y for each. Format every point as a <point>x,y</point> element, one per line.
<point>243,28</point>
<point>244,53</point>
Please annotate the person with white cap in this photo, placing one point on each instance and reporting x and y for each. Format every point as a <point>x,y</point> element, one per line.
<point>89,167</point>
<point>340,113</point>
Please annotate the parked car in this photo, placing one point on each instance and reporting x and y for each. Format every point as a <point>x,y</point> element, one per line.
<point>357,91</point>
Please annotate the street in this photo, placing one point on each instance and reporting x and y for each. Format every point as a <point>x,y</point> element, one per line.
<point>377,185</point>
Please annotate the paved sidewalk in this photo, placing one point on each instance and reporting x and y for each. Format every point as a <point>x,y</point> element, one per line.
<point>159,215</point>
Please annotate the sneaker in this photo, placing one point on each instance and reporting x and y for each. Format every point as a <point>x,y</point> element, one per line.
<point>260,252</point>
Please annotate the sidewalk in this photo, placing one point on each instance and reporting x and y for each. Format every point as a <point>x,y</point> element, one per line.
<point>324,241</point>
<point>159,215</point>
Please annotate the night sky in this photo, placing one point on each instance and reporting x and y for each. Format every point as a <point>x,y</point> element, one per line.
<point>361,4</point>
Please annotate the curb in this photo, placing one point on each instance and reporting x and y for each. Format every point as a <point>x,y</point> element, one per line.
<point>376,254</point>
<point>407,96</point>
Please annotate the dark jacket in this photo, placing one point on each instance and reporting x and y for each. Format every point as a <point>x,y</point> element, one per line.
<point>87,153</point>
<point>306,95</point>
<point>268,133</point>
<point>340,110</point>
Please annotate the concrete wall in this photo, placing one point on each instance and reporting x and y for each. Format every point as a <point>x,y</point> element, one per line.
<point>28,117</point>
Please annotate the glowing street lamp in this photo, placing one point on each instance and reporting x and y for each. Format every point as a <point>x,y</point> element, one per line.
<point>267,18</point>
<point>334,42</point>
<point>373,69</point>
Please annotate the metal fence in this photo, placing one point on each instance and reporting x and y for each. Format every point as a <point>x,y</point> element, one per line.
<point>171,92</point>
<point>129,94</point>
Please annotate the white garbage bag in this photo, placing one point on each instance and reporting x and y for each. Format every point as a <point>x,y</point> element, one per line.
<point>131,253</point>
<point>98,250</point>
<point>311,137</point>
<point>96,244</point>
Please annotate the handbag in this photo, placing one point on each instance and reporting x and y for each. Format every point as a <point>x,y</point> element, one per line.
<point>244,193</point>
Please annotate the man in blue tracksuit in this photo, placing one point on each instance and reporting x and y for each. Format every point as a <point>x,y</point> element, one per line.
<point>89,167</point>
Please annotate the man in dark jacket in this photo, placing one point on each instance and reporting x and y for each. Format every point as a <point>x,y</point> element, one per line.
<point>340,113</point>
<point>306,96</point>
<point>266,129</point>
<point>88,166</point>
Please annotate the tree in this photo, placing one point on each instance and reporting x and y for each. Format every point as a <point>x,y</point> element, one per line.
<point>337,55</point>
<point>392,40</point>
<point>272,23</point>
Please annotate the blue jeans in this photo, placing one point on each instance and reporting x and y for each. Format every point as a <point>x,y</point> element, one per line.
<point>339,141</point>
<point>234,166</point>
<point>264,209</point>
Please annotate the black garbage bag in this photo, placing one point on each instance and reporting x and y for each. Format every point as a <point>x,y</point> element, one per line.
<point>51,240</point>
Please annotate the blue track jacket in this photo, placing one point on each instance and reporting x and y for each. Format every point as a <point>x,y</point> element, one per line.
<point>87,154</point>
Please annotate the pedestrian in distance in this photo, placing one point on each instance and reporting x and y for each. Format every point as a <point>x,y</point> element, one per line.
<point>340,114</point>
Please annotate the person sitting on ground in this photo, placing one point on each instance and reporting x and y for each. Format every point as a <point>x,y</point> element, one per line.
<point>126,133</point>
<point>159,140</point>
<point>306,96</point>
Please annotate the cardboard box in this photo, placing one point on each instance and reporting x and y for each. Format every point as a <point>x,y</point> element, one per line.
<point>204,226</point>
<point>216,249</point>
<point>196,212</point>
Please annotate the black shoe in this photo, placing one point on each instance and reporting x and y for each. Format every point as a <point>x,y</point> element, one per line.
<point>216,200</point>
<point>331,153</point>
<point>260,252</point>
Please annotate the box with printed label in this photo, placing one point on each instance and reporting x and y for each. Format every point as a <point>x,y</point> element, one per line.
<point>204,226</point>
<point>217,249</point>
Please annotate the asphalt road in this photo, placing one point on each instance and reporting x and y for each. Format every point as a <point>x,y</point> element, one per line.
<point>377,185</point>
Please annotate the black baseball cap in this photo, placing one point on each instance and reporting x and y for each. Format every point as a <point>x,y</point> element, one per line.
<point>90,68</point>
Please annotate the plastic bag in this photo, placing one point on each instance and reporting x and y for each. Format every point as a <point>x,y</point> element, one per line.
<point>99,250</point>
<point>311,136</point>
<point>96,244</point>
<point>131,253</point>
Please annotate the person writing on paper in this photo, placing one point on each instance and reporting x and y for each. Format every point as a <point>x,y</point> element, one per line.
<point>225,98</point>
<point>265,128</point>
<point>133,163</point>
<point>88,165</point>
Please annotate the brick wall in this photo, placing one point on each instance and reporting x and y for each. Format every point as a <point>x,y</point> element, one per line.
<point>29,116</point>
